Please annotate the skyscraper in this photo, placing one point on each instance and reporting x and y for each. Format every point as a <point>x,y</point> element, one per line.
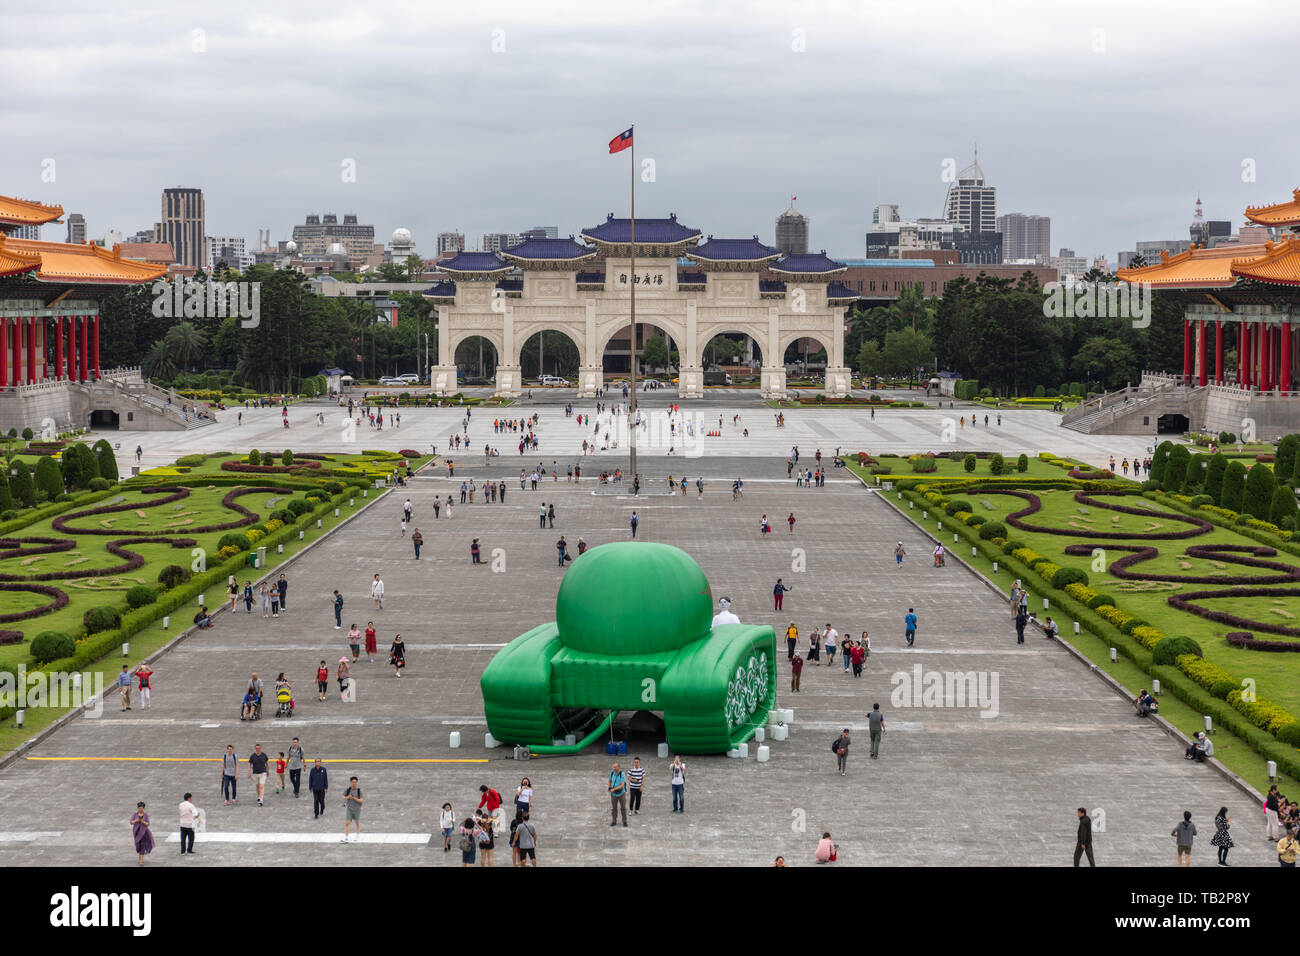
<point>1025,237</point>
<point>450,243</point>
<point>317,234</point>
<point>792,230</point>
<point>182,225</point>
<point>496,241</point>
<point>971,202</point>
<point>77,228</point>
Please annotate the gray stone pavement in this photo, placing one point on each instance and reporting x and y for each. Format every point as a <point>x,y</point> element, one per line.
<point>951,787</point>
<point>891,431</point>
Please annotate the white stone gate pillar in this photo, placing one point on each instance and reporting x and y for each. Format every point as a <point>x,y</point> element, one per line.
<point>772,382</point>
<point>591,371</point>
<point>690,375</point>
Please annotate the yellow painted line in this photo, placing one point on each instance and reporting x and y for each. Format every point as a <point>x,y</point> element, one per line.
<point>218,759</point>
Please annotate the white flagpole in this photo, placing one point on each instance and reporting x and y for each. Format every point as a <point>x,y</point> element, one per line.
<point>632,351</point>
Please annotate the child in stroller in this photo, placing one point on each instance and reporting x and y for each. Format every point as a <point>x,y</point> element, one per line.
<point>283,697</point>
<point>252,709</point>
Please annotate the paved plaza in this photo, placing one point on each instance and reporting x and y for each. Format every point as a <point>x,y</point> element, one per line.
<point>951,787</point>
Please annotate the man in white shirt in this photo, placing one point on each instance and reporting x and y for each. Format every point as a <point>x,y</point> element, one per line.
<point>377,592</point>
<point>189,813</point>
<point>724,615</point>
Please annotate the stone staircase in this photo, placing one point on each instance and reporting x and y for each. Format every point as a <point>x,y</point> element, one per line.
<point>1136,409</point>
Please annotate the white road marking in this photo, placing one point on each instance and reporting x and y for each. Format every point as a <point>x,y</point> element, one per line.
<point>211,836</point>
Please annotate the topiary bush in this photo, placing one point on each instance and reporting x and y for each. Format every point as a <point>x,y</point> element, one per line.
<point>1101,600</point>
<point>1222,688</point>
<point>233,539</point>
<point>99,484</point>
<point>140,595</point>
<point>174,575</point>
<point>101,618</point>
<point>992,529</point>
<point>1257,500</point>
<point>49,478</point>
<point>1233,487</point>
<point>334,487</point>
<point>1069,576</point>
<point>1022,464</point>
<point>298,507</point>
<point>1290,734</point>
<point>997,465</point>
<point>20,485</point>
<point>52,646</point>
<point>1012,545</point>
<point>1168,650</point>
<point>968,463</point>
<point>191,461</point>
<point>287,458</point>
<point>105,460</point>
<point>957,504</point>
<point>254,458</point>
<point>28,434</point>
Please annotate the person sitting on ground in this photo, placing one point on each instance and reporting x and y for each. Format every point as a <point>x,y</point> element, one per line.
<point>1200,748</point>
<point>1050,629</point>
<point>1144,703</point>
<point>825,852</point>
<point>203,618</point>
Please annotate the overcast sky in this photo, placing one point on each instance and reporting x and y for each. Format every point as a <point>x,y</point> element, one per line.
<point>483,117</point>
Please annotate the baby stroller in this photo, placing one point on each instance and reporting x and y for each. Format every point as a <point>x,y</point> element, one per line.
<point>252,707</point>
<point>284,701</point>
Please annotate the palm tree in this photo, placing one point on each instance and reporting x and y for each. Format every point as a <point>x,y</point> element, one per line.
<point>185,344</point>
<point>158,363</point>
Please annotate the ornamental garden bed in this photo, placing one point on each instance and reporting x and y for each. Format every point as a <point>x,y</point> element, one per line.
<point>1150,571</point>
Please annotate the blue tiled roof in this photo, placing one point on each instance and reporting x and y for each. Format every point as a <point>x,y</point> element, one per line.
<point>650,231</point>
<point>769,285</point>
<point>591,278</point>
<point>543,248</point>
<point>736,250</point>
<point>807,263</point>
<point>838,290</point>
<point>475,262</point>
<point>690,278</point>
<point>440,289</point>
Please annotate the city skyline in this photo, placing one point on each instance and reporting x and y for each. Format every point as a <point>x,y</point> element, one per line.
<point>271,167</point>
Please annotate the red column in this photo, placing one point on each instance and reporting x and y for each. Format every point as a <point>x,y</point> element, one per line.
<point>1187,348</point>
<point>72,350</point>
<point>85,348</point>
<point>18,351</point>
<point>1265,358</point>
<point>1218,352</point>
<point>1250,357</point>
<point>31,351</point>
<point>1285,380</point>
<point>1204,353</point>
<point>4,352</point>
<point>94,348</point>
<point>58,348</point>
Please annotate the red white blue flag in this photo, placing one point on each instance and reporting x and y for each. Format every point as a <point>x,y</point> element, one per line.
<point>621,142</point>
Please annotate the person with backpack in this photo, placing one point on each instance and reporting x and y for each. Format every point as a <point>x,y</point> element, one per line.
<point>1183,835</point>
<point>909,627</point>
<point>526,841</point>
<point>633,522</point>
<point>617,795</point>
<point>840,747</point>
<point>469,837</point>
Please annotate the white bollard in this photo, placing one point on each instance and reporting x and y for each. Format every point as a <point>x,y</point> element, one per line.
<point>774,716</point>
<point>1209,724</point>
<point>490,742</point>
<point>336,512</point>
<point>318,522</point>
<point>764,753</point>
<point>760,734</point>
<point>365,494</point>
<point>940,525</point>
<point>734,753</point>
<point>454,740</point>
<point>166,621</point>
<point>911,505</point>
<point>352,502</point>
<point>1044,604</point>
<point>126,649</point>
<point>1076,627</point>
<point>743,749</point>
<point>995,567</point>
<point>1155,687</point>
<point>780,732</point>
<point>663,750</point>
<point>201,601</point>
<point>279,549</point>
<point>925,514</point>
<point>20,716</point>
<point>302,535</point>
<point>1114,655</point>
<point>1272,770</point>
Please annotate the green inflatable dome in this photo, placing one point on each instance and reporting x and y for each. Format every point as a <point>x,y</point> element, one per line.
<point>633,631</point>
<point>633,598</point>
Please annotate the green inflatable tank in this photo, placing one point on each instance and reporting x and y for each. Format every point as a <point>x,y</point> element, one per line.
<point>633,631</point>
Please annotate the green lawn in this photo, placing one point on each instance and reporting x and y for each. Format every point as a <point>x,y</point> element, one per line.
<point>900,467</point>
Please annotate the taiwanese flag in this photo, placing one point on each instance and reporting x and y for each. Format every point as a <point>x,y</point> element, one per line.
<point>621,142</point>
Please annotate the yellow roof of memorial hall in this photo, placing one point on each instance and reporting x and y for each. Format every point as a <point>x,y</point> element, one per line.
<point>71,263</point>
<point>1196,268</point>
<point>1280,264</point>
<point>26,212</point>
<point>1277,214</point>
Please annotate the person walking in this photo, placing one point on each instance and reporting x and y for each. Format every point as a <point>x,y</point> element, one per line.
<point>475,552</point>
<point>229,775</point>
<point>338,611</point>
<point>524,796</point>
<point>372,641</point>
<point>322,680</point>
<point>140,832</point>
<point>1083,839</point>
<point>282,584</point>
<point>257,772</point>
<point>447,824</point>
<point>248,597</point>
<point>1184,833</point>
<point>344,676</point>
<point>791,641</point>
<point>318,782</point>
<point>875,728</point>
<point>899,553</point>
<point>1021,620</point>
<point>377,592</point>
<point>778,594</point>
<point>550,515</point>
<point>188,814</point>
<point>1221,838</point>
<point>677,777</point>
<point>526,842</point>
<point>417,540</point>
<point>830,641</point>
<point>841,748</point>
<point>909,626</point>
<point>124,686</point>
<point>617,795</point>
<point>470,832</point>
<point>541,516</point>
<point>1270,814</point>
<point>397,655</point>
<point>295,765</point>
<point>264,593</point>
<point>796,669</point>
<point>790,522</point>
<point>352,801</point>
<point>635,782</point>
<point>633,522</point>
<point>858,657</point>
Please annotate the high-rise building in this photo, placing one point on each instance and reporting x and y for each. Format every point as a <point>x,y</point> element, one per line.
<point>1068,264</point>
<point>1150,249</point>
<point>1025,236</point>
<point>792,231</point>
<point>77,228</point>
<point>542,232</point>
<point>496,241</point>
<point>315,236</point>
<point>31,231</point>
<point>232,250</point>
<point>450,243</point>
<point>971,201</point>
<point>181,225</point>
<point>892,237</point>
